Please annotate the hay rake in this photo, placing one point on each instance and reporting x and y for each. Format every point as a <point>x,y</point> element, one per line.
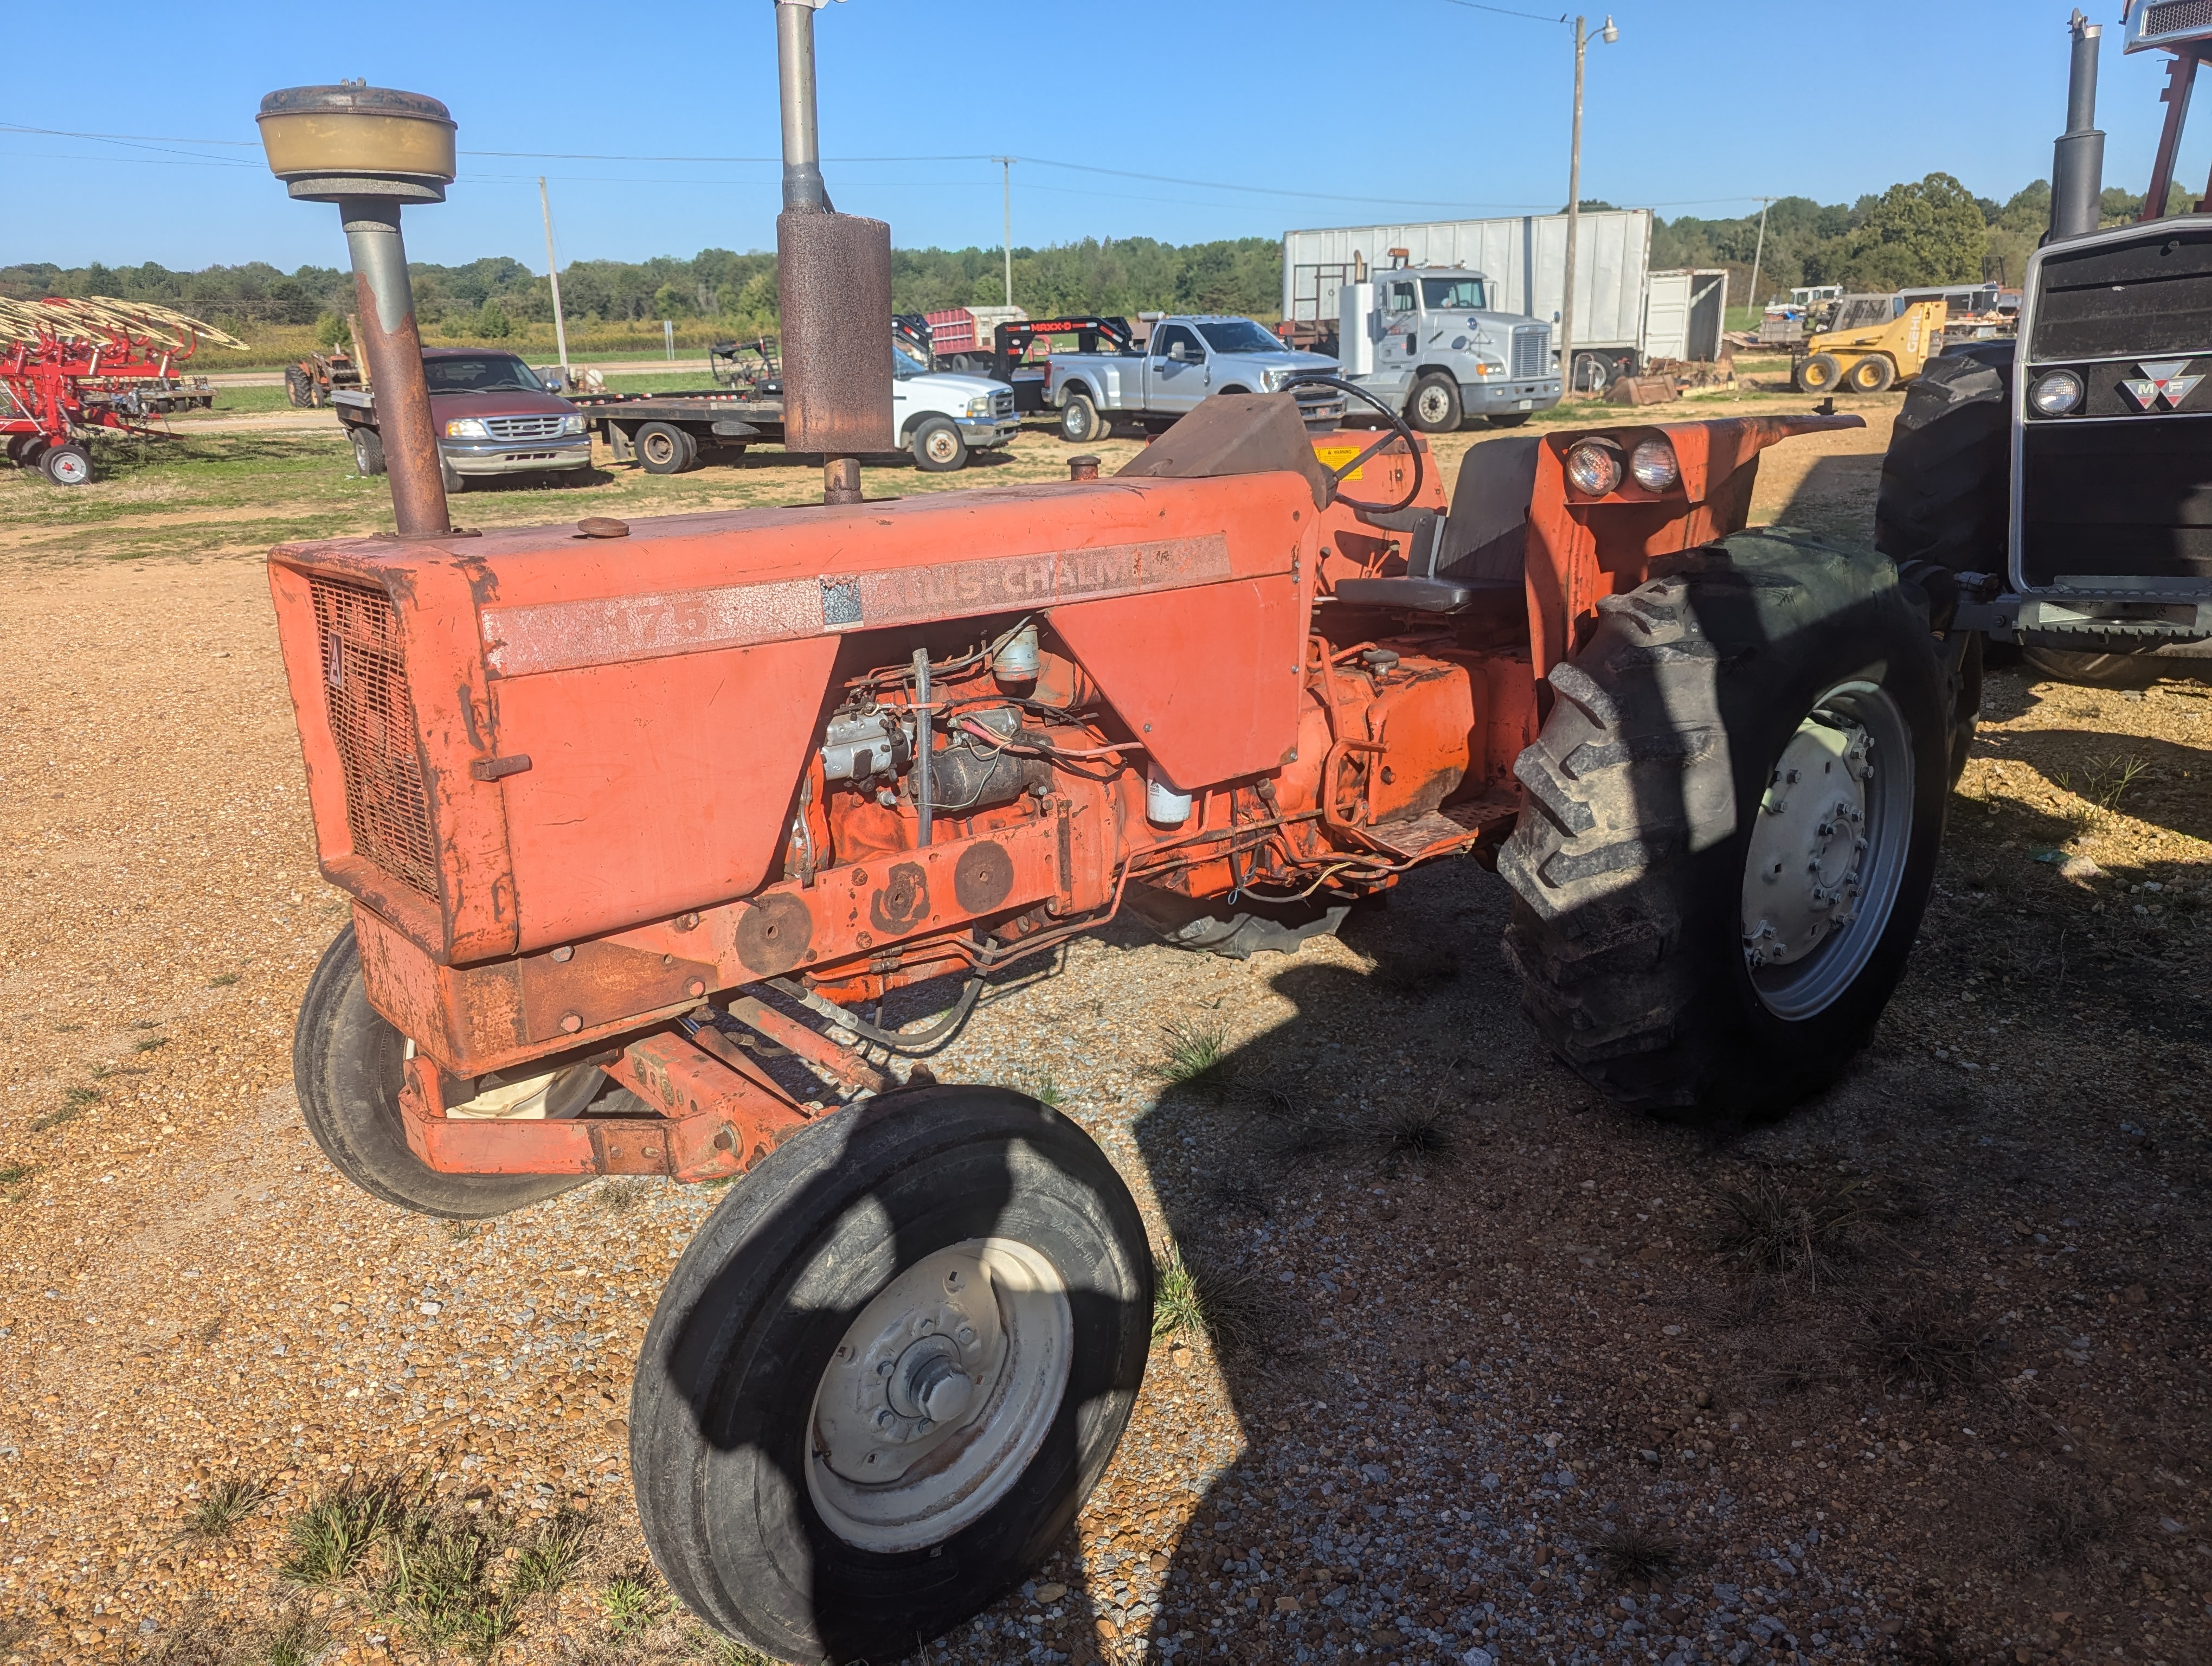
<point>70,368</point>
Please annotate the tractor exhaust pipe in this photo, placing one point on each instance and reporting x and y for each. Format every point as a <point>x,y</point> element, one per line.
<point>834,289</point>
<point>369,149</point>
<point>2077,171</point>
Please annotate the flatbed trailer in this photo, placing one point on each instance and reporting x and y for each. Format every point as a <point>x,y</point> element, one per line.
<point>668,432</point>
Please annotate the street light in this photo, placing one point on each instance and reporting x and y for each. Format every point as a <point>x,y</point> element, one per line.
<point>1609,34</point>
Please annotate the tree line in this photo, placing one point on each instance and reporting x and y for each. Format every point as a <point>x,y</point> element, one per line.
<point>1927,231</point>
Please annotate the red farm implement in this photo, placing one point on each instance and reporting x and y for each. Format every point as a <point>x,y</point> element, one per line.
<point>69,369</point>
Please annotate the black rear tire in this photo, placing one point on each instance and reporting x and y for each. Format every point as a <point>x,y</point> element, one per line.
<point>1645,790</point>
<point>1945,493</point>
<point>664,448</point>
<point>348,1064</point>
<point>2096,671</point>
<point>368,453</point>
<point>725,1427</point>
<point>299,386</point>
<point>1080,420</point>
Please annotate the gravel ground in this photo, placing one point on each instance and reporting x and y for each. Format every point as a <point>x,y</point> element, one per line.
<point>1916,1371</point>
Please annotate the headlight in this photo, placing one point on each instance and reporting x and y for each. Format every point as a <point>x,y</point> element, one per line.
<point>572,422</point>
<point>980,405</point>
<point>467,427</point>
<point>1593,468</point>
<point>1654,466</point>
<point>2056,393</point>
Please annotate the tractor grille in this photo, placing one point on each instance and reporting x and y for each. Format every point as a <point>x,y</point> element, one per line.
<point>2170,16</point>
<point>372,720</point>
<point>1532,351</point>
<point>523,427</point>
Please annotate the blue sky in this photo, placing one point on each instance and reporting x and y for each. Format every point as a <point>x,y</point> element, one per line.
<point>1290,113</point>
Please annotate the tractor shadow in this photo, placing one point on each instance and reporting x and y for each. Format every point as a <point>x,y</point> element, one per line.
<point>1835,499</point>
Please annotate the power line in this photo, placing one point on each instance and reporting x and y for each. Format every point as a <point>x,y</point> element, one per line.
<point>1506,11</point>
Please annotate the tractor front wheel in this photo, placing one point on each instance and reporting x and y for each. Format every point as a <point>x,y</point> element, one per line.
<point>348,1064</point>
<point>886,1373</point>
<point>1731,827</point>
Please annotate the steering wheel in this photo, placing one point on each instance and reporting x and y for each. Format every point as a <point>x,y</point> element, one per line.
<point>1398,431</point>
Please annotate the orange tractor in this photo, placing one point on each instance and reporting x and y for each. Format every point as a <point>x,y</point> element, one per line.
<point>637,818</point>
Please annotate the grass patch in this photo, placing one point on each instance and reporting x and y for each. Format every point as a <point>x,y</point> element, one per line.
<point>75,1101</point>
<point>13,1176</point>
<point>1930,1346</point>
<point>226,1505</point>
<point>1044,1087</point>
<point>2106,781</point>
<point>332,1537</point>
<point>433,1567</point>
<point>1197,1057</point>
<point>223,980</point>
<point>1241,1311</point>
<point>1639,1553</point>
<point>632,1603</point>
<point>150,1043</point>
<point>297,1637</point>
<point>1777,1227</point>
<point>1415,1131</point>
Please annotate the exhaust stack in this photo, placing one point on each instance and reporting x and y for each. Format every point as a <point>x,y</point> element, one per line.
<point>2077,171</point>
<point>369,149</point>
<point>833,288</point>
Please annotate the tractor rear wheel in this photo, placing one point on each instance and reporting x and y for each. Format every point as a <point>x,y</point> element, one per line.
<point>299,386</point>
<point>348,1064</point>
<point>1434,407</point>
<point>66,464</point>
<point>2097,670</point>
<point>1820,373</point>
<point>1875,374</point>
<point>1731,827</point>
<point>888,1369</point>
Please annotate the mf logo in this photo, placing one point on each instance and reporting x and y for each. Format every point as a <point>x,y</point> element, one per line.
<point>2161,386</point>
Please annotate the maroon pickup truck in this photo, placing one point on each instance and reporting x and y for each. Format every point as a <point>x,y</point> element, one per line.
<point>494,416</point>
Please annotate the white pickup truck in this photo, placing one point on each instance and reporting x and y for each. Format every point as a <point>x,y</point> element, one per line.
<point>1187,359</point>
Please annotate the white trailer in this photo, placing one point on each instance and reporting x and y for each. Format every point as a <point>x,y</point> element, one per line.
<point>1625,315</point>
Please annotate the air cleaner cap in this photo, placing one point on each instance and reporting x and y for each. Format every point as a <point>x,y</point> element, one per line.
<point>354,140</point>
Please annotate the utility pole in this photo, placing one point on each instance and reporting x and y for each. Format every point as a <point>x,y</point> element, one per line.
<point>553,272</point>
<point>1609,33</point>
<point>1007,167</point>
<point>1760,253</point>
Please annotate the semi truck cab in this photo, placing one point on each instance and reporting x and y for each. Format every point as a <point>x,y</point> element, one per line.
<point>1423,339</point>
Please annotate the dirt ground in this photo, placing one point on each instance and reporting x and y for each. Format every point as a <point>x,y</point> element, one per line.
<point>1916,1371</point>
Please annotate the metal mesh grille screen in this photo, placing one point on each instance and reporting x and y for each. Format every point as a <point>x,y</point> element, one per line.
<point>1532,351</point>
<point>2169,15</point>
<point>372,720</point>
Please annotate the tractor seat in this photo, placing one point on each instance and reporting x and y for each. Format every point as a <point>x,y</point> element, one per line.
<point>1478,547</point>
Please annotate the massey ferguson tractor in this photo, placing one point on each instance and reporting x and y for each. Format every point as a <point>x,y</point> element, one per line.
<point>2062,476</point>
<point>643,822</point>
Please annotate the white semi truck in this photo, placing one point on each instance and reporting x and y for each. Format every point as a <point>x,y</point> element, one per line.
<point>1627,315</point>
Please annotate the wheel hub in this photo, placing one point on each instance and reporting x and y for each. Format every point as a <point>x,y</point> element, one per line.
<point>939,1394</point>
<point>1802,879</point>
